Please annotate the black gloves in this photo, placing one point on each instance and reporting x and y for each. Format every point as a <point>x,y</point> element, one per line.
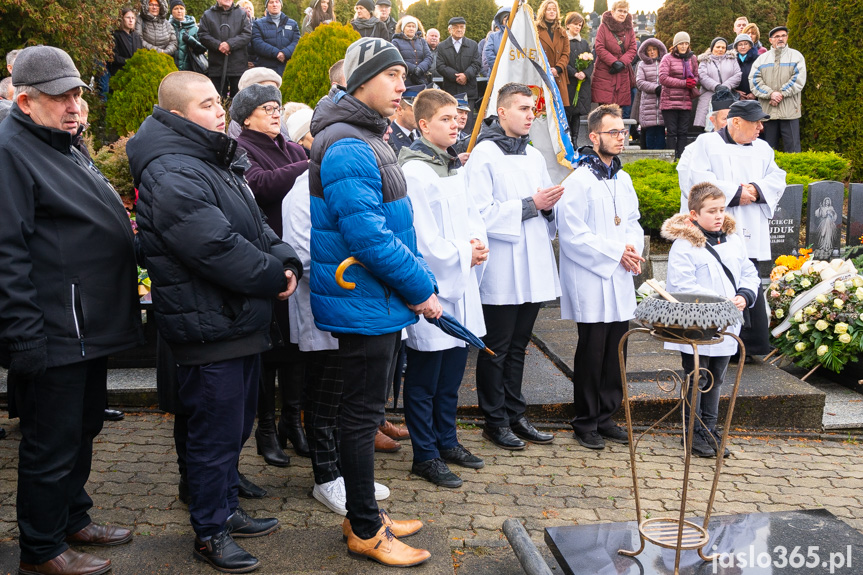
<point>658,90</point>
<point>28,365</point>
<point>617,67</point>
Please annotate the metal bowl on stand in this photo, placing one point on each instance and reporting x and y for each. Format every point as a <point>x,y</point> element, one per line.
<point>694,317</point>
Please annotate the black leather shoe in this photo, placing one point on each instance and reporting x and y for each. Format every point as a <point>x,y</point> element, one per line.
<point>715,440</point>
<point>461,456</point>
<point>241,525</point>
<point>223,554</point>
<point>524,430</point>
<point>616,434</point>
<point>268,445</point>
<point>590,439</point>
<point>249,490</point>
<point>114,415</point>
<point>503,437</point>
<point>437,472</point>
<point>183,491</point>
<point>700,445</point>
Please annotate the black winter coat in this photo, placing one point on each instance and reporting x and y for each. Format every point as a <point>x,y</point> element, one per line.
<point>214,264</point>
<point>237,33</point>
<point>67,256</point>
<point>466,61</point>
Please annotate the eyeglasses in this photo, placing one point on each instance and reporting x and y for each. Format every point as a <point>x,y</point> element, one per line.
<point>271,110</point>
<point>780,36</point>
<point>615,133</point>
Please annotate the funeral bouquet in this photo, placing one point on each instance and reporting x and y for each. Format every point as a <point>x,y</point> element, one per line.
<point>816,311</point>
<point>582,63</point>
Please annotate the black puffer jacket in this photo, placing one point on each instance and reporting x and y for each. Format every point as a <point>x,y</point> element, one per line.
<point>66,250</point>
<point>232,26</point>
<point>215,266</point>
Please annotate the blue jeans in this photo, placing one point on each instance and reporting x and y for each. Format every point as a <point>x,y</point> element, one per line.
<point>220,399</point>
<point>707,405</point>
<point>655,137</point>
<point>431,388</point>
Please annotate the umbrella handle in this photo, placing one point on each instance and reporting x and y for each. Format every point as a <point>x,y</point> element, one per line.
<point>340,272</point>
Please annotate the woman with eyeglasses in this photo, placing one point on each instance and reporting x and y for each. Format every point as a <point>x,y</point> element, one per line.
<point>155,30</point>
<point>275,165</point>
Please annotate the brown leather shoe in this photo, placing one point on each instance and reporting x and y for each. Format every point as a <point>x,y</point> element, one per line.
<point>400,529</point>
<point>386,549</point>
<point>69,562</point>
<point>100,535</point>
<point>394,431</point>
<point>384,444</point>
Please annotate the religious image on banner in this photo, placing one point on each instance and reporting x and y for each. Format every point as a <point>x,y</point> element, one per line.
<point>523,61</point>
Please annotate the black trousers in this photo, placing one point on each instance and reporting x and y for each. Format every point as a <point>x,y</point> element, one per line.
<point>707,404</point>
<point>220,399</point>
<point>232,85</point>
<point>597,384</point>
<point>676,128</point>
<point>60,415</point>
<point>324,387</point>
<point>369,361</point>
<point>499,378</point>
<point>756,331</point>
<point>788,129</point>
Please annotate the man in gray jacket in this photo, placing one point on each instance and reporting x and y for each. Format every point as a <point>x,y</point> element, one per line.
<point>777,79</point>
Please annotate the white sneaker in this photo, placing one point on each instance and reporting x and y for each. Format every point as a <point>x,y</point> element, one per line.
<point>332,494</point>
<point>381,491</point>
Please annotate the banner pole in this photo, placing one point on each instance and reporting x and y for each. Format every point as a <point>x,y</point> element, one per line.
<point>477,125</point>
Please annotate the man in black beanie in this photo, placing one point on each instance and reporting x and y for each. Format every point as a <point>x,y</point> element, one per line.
<point>361,214</point>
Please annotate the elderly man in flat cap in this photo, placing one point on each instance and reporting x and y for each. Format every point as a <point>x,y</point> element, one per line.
<point>777,78</point>
<point>68,299</point>
<point>459,62</point>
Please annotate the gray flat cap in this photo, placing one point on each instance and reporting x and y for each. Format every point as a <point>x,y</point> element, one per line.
<point>50,70</point>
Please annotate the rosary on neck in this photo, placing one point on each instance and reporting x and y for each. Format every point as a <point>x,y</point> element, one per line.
<point>613,199</point>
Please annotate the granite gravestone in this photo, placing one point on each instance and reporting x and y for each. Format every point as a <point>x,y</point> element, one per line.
<point>785,223</point>
<point>854,237</point>
<point>824,226</point>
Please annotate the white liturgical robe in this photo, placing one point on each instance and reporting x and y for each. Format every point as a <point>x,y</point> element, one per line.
<point>597,288</point>
<point>445,220</point>
<point>521,266</point>
<point>711,159</point>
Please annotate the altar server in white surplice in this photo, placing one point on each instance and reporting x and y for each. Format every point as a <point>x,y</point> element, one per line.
<point>600,249</point>
<point>743,166</point>
<point>451,236</point>
<point>510,185</point>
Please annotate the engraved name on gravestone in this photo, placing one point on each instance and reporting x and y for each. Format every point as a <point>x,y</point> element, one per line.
<point>855,216</point>
<point>784,227</point>
<point>824,225</point>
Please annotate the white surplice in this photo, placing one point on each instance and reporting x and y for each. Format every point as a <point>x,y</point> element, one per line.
<point>711,159</point>
<point>521,266</point>
<point>446,220</point>
<point>596,287</point>
<point>297,231</point>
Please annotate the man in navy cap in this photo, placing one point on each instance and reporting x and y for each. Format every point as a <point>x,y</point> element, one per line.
<point>463,111</point>
<point>384,9</point>
<point>404,124</point>
<point>459,63</point>
<point>744,168</point>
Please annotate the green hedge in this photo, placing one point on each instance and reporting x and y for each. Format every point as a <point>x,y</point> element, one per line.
<point>306,78</point>
<point>658,190</point>
<point>135,90</point>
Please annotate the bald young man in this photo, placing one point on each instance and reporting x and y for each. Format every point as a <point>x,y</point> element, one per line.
<point>216,269</point>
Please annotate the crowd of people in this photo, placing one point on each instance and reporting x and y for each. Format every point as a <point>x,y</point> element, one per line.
<point>317,248</point>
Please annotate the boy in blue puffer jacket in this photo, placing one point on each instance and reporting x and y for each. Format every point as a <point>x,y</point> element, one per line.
<point>361,214</point>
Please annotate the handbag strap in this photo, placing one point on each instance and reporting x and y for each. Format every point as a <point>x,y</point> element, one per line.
<point>724,267</point>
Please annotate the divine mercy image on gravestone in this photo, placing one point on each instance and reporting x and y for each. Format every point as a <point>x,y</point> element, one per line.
<point>824,226</point>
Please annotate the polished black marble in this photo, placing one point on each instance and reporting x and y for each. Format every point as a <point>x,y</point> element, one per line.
<point>811,542</point>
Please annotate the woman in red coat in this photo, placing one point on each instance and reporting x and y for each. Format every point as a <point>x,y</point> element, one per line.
<point>615,48</point>
<point>555,44</point>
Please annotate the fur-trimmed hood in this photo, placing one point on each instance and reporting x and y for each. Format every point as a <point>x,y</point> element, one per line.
<point>680,227</point>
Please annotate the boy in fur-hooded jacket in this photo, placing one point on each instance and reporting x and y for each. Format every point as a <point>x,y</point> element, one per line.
<point>706,255</point>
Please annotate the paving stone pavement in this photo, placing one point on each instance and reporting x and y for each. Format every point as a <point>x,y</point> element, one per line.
<point>134,482</point>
